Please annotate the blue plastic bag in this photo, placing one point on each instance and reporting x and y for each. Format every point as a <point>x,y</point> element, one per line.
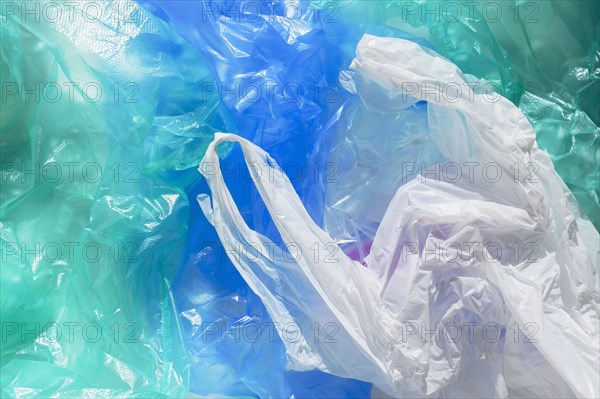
<point>277,68</point>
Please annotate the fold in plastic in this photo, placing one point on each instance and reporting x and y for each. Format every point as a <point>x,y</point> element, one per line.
<point>522,318</point>
<point>552,75</point>
<point>101,103</point>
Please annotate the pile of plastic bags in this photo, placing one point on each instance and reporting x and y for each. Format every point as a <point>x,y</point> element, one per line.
<point>404,201</point>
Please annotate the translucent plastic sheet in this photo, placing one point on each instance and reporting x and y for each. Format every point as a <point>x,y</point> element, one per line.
<point>543,306</point>
<point>100,106</point>
<point>551,74</point>
<point>277,67</point>
<point>117,214</point>
<point>256,49</point>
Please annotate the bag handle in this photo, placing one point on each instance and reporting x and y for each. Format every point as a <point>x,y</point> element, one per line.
<point>336,277</point>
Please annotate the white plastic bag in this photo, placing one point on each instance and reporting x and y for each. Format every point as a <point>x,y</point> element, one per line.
<point>443,306</point>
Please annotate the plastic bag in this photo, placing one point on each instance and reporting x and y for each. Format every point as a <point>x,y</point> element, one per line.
<point>543,307</point>
<point>101,108</point>
<point>265,46</point>
<point>551,74</point>
<point>277,67</point>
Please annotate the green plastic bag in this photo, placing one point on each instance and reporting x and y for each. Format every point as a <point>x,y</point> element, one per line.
<point>100,105</point>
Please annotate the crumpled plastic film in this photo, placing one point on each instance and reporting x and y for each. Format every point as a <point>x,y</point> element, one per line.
<point>101,118</point>
<point>105,109</point>
<point>543,304</point>
<point>277,68</point>
<point>376,148</point>
<point>551,74</point>
<point>560,71</point>
<point>240,44</point>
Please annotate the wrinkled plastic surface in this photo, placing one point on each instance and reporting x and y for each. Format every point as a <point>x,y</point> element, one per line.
<point>551,74</point>
<point>277,68</point>
<point>553,289</point>
<point>301,51</point>
<point>264,46</point>
<point>93,212</point>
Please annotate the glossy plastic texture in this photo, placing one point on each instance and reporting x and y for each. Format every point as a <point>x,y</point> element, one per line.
<point>552,75</point>
<point>277,67</point>
<point>554,290</point>
<point>101,111</point>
